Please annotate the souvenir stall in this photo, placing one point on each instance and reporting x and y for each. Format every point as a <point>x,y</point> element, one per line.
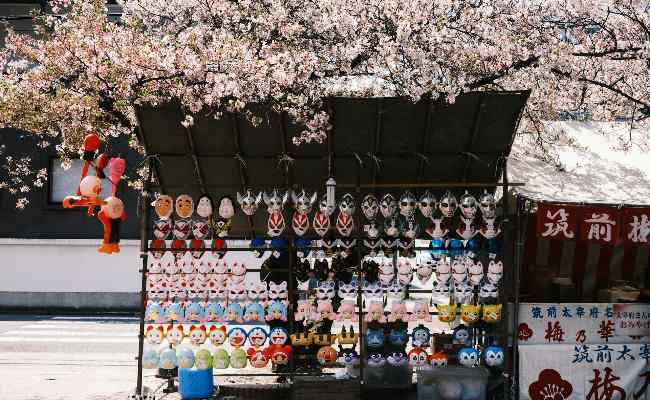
<point>585,333</point>
<point>339,267</point>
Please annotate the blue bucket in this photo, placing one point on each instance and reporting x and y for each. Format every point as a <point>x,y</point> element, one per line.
<point>195,383</point>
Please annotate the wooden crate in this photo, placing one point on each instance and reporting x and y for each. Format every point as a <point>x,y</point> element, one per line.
<point>324,388</point>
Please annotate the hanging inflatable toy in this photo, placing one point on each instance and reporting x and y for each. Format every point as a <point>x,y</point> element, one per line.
<point>111,216</point>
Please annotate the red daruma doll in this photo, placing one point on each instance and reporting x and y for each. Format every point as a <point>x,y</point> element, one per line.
<point>111,216</point>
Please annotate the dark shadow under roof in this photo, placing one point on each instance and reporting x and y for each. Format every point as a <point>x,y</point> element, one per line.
<point>395,140</point>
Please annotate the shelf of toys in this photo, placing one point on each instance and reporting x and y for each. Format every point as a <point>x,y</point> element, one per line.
<point>371,291</point>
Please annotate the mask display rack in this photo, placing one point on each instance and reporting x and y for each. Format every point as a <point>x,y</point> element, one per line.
<point>365,317</point>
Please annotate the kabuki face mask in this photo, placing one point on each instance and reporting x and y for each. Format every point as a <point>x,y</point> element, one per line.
<point>204,206</point>
<point>184,206</point>
<point>164,205</point>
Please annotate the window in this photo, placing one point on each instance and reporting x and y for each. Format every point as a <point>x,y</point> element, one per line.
<point>65,182</point>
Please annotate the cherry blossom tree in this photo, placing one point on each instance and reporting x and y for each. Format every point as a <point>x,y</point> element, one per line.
<point>81,71</point>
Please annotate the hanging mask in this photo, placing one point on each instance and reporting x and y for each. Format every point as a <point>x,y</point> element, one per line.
<point>167,359</point>
<point>204,206</point>
<point>221,226</point>
<point>488,292</point>
<point>302,339</point>
<point>463,293</point>
<point>163,205</point>
<point>421,336</point>
<point>407,204</point>
<point>396,291</point>
<point>468,206</point>
<point>427,204</point>
<point>370,207</point>
<point>347,357</point>
<point>221,359</point>
<point>174,334</point>
<point>487,205</point>
<point>344,224</point>
<point>418,357</point>
<point>494,356</point>
<point>184,206</point>
<point>257,358</point>
<point>347,311</point>
<point>495,272</point>
<point>391,227</point>
<point>197,246</point>
<point>460,335</point>
<point>325,310</point>
<point>448,205</point>
<point>446,312</point>
<point>185,357</point>
<point>409,228</point>
<point>162,228</point>
<point>346,205</point>
<point>279,246</point>
<point>278,336</point>
<point>398,337</point>
<point>397,359</point>
<point>374,338</point>
<point>257,336</point>
<point>372,291</point>
<point>398,312</point>
<point>441,292</point>
<point>388,205</point>
<point>154,334</point>
<point>226,207</point>
<point>302,247</point>
<point>237,337</point>
<point>321,223</point>
<point>198,334</point>
<point>159,246</point>
<point>279,355</point>
<point>467,357</point>
<point>492,313</point>
<point>375,360</point>
<point>278,291</point>
<point>275,224</point>
<point>303,203</point>
<point>326,356</point>
<point>375,312</point>
<point>372,229</point>
<point>238,358</point>
<point>249,203</point>
<point>258,292</point>
<point>475,273</point>
<point>325,290</point>
<point>347,291</point>
<point>421,311</point>
<point>348,337</point>
<point>470,313</point>
<point>254,313</point>
<point>323,208</point>
<point>438,359</point>
<point>300,223</point>
<point>274,201</point>
<point>443,271</point>
<point>458,271</point>
<point>217,335</point>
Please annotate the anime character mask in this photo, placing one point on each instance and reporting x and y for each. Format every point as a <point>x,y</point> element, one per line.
<point>470,313</point>
<point>326,355</point>
<point>279,355</point>
<point>488,205</point>
<point>325,290</point>
<point>468,205</point>
<point>375,360</point>
<point>372,291</point>
<point>150,359</point>
<point>438,359</point>
<point>321,223</point>
<point>448,205</point>
<point>154,334</point>
<point>460,335</point>
<point>163,206</point>
<point>220,359</point>
<point>237,337</point>
<point>275,224</point>
<point>493,356</point>
<point>274,201</point>
<point>421,336</point>
<point>217,335</point>
<point>278,291</point>
<point>346,311</point>
<point>397,358</point>
<point>346,204</point>
<point>278,336</point>
<point>488,292</point>
<point>421,311</point>
<point>427,204</point>
<point>418,357</point>
<point>348,357</point>
<point>300,223</point>
<point>370,206</point>
<point>257,336</point>
<point>276,311</point>
<point>391,227</point>
<point>249,203</point>
<point>475,273</point>
<point>198,334</point>
<point>495,272</point>
<point>344,224</point>
<point>463,293</point>
<point>184,206</point>
<point>492,313</point>
<point>407,204</point>
<point>347,291</point>
<point>375,338</point>
<point>167,359</point>
<point>234,313</point>
<point>303,203</point>
<point>348,337</point>
<point>446,312</point>
<point>325,310</point>
<point>398,337</point>
<point>254,312</point>
<point>305,310</point>
<point>388,205</point>
<point>258,291</point>
<point>175,334</point>
<point>238,358</point>
<point>467,357</point>
<point>375,312</point>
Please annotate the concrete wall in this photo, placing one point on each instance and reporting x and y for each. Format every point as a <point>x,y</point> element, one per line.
<point>69,274</point>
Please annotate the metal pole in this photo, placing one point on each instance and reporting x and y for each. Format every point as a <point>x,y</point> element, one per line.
<point>144,240</point>
<point>290,315</point>
<point>362,352</point>
<point>515,318</point>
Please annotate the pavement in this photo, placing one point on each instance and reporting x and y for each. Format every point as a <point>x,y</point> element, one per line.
<point>69,357</point>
